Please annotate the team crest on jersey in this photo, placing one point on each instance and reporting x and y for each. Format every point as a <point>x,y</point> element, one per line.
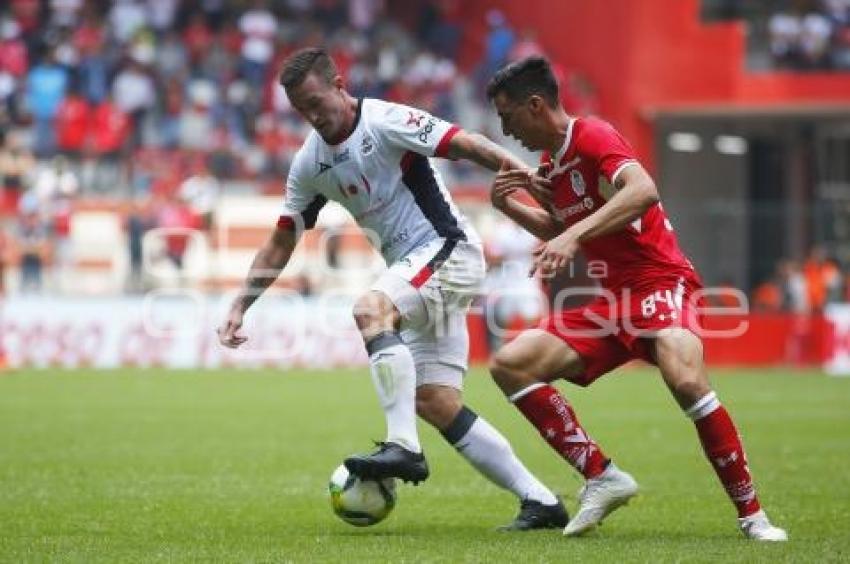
<point>588,203</point>
<point>323,167</point>
<point>367,146</point>
<point>577,182</point>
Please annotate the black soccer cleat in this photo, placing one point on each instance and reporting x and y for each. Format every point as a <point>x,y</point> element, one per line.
<point>389,461</point>
<point>534,515</point>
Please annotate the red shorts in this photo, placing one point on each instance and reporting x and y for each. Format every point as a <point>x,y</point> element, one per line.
<point>618,327</point>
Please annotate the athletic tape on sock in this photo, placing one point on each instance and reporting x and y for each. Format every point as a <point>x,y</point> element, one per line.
<point>704,406</point>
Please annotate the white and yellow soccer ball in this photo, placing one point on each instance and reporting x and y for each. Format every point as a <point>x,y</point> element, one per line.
<point>361,502</point>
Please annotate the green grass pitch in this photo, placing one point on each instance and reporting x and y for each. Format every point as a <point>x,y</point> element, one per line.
<point>227,466</point>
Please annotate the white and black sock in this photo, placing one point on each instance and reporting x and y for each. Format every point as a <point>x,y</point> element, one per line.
<point>491,454</point>
<point>394,375</point>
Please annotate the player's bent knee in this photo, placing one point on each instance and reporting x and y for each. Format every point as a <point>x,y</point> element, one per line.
<point>374,312</point>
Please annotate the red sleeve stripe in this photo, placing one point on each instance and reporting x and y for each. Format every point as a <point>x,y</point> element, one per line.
<point>286,222</point>
<point>442,149</point>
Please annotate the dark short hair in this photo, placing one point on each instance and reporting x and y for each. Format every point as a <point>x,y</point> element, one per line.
<point>304,61</point>
<point>525,78</point>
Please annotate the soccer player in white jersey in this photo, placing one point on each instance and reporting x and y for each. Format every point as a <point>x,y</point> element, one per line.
<point>372,157</point>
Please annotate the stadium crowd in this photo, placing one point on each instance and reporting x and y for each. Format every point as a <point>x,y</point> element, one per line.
<point>161,106</point>
<point>810,34</point>
<point>125,100</point>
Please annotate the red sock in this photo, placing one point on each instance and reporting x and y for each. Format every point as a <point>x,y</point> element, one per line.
<point>724,450</point>
<point>553,417</point>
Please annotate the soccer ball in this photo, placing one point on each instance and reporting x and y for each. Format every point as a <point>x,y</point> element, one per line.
<point>361,502</point>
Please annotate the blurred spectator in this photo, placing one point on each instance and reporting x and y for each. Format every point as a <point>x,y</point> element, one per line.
<point>201,191</point>
<point>258,26</point>
<point>65,13</point>
<point>16,164</point>
<point>93,69</point>
<point>726,295</point>
<point>363,13</point>
<point>834,281</point>
<point>56,187</point>
<point>55,182</point>
<point>815,36</point>
<point>811,35</point>
<point>28,15</point>
<point>767,297</point>
<point>14,64</point>
<point>138,222</point>
<point>178,220</point>
<point>196,123</point>
<point>497,45</point>
<point>34,248</point>
<point>813,271</point>
<point>111,130</point>
<point>73,118</point>
<point>793,283</point>
<point>125,18</point>
<point>46,86</point>
<point>197,38</point>
<point>172,59</point>
<point>135,95</point>
<point>161,15</point>
<point>443,28</point>
<point>4,261</point>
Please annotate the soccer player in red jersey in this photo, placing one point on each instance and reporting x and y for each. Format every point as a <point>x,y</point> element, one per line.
<point>602,201</point>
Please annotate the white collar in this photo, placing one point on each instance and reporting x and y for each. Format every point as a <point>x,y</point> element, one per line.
<point>559,154</point>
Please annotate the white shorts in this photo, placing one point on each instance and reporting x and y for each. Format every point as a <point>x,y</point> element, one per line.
<point>432,287</point>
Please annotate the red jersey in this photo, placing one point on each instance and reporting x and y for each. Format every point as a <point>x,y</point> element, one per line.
<point>583,173</point>
<point>72,123</point>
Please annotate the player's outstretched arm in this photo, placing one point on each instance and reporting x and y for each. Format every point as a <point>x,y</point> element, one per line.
<point>479,149</point>
<point>268,263</point>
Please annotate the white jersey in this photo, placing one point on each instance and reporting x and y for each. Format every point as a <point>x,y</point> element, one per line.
<point>382,175</point>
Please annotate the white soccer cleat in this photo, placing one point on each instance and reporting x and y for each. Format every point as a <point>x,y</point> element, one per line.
<point>757,527</point>
<point>599,497</point>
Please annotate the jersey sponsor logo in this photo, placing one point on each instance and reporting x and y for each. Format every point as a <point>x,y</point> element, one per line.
<point>415,119</point>
<point>342,157</point>
<point>426,131</point>
<point>577,182</point>
<point>323,167</point>
<point>367,146</point>
<point>585,205</point>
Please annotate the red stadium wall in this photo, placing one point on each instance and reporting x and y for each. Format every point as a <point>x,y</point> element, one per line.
<point>646,55</point>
